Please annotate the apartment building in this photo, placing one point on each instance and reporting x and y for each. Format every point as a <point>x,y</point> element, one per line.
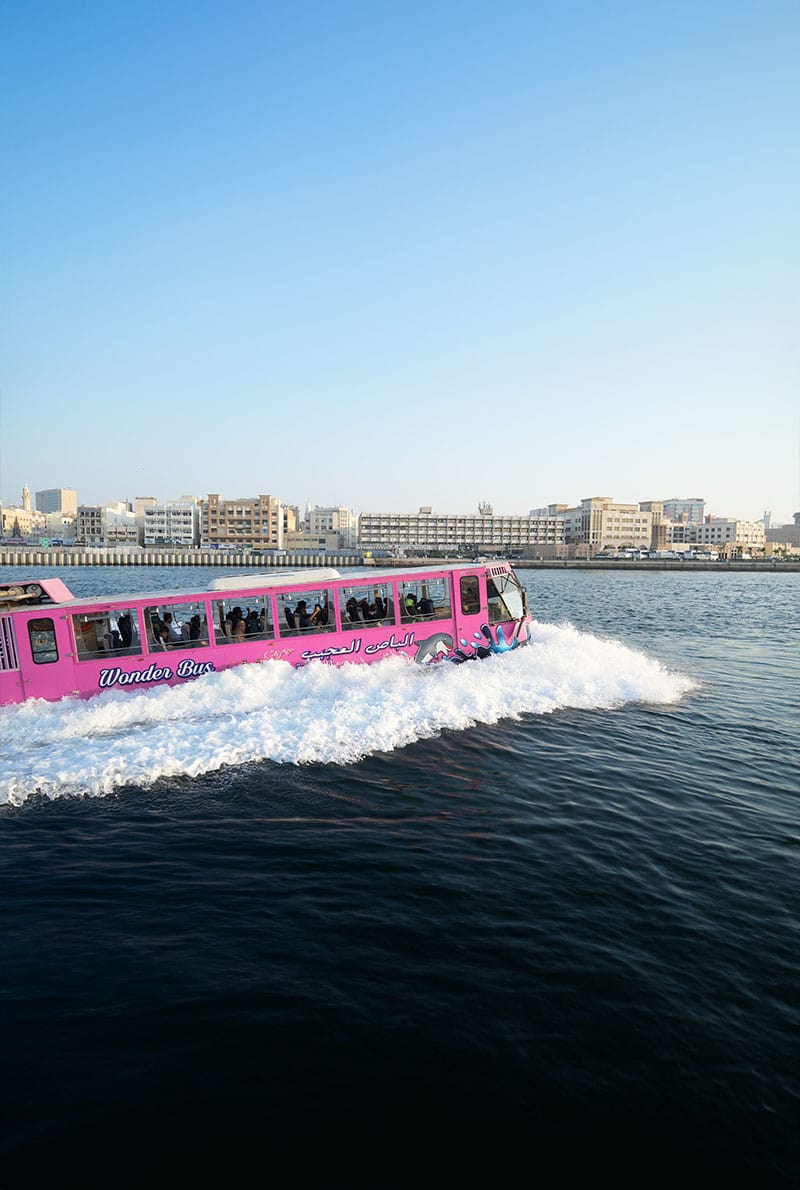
<point>256,522</point>
<point>105,524</point>
<point>175,523</point>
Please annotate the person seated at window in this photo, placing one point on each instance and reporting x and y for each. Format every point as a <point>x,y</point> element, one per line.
<point>410,606</point>
<point>194,628</point>
<point>125,629</point>
<point>174,630</point>
<point>239,629</point>
<point>380,608</point>
<point>425,607</point>
<point>319,616</point>
<point>351,608</point>
<point>253,624</point>
<point>365,611</point>
<point>302,618</point>
<point>102,636</point>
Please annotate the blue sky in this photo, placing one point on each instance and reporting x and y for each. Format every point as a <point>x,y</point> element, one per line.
<point>391,255</point>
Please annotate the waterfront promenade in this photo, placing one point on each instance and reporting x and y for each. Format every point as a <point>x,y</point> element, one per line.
<point>58,557</point>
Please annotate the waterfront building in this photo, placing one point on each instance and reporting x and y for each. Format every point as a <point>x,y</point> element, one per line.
<point>454,534</point>
<point>60,526</point>
<point>176,522</point>
<point>785,536</point>
<point>21,520</point>
<point>255,522</point>
<point>659,535</point>
<point>18,521</point>
<point>63,500</point>
<point>598,523</point>
<point>299,540</point>
<point>110,524</point>
<point>727,531</point>
<point>687,509</point>
<point>335,520</point>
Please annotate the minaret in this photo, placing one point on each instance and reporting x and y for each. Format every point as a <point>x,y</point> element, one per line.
<point>26,498</point>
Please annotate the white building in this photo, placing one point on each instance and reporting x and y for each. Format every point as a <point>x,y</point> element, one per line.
<point>174,523</point>
<point>426,531</point>
<point>726,531</point>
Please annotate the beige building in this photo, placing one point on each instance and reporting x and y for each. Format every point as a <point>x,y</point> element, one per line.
<point>597,523</point>
<point>255,522</point>
<point>21,522</point>
<point>336,520</point>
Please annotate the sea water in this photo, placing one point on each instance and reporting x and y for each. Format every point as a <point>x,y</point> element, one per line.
<point>539,905</point>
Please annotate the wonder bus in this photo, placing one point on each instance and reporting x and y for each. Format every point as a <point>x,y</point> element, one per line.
<point>53,645</point>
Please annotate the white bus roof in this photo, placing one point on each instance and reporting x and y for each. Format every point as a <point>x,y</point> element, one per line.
<point>276,578</point>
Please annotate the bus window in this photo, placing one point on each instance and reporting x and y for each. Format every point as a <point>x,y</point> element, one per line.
<point>42,635</point>
<point>470,595</point>
<point>237,620</point>
<point>176,625</point>
<point>425,599</point>
<point>305,612</point>
<point>370,604</point>
<point>506,599</point>
<point>99,633</point>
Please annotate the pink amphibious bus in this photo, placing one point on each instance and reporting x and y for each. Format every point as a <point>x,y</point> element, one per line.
<point>53,645</point>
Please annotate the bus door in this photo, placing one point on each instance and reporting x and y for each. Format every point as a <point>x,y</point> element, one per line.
<point>45,652</point>
<point>11,684</point>
<point>471,616</point>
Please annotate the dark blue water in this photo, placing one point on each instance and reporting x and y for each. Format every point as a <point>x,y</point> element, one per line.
<point>550,948</point>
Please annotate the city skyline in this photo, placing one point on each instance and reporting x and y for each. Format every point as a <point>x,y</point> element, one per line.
<point>501,253</point>
<point>480,505</point>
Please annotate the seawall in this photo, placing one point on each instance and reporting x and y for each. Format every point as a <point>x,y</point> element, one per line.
<point>60,558</point>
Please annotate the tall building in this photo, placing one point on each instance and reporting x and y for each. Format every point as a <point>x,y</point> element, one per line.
<point>598,523</point>
<point>691,509</point>
<point>57,500</point>
<point>253,521</point>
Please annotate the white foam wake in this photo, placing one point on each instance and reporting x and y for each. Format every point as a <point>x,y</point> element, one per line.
<point>318,714</point>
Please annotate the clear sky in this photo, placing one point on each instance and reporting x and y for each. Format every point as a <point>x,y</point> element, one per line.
<point>386,255</point>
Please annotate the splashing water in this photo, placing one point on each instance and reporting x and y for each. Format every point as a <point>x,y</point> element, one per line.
<point>322,713</point>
